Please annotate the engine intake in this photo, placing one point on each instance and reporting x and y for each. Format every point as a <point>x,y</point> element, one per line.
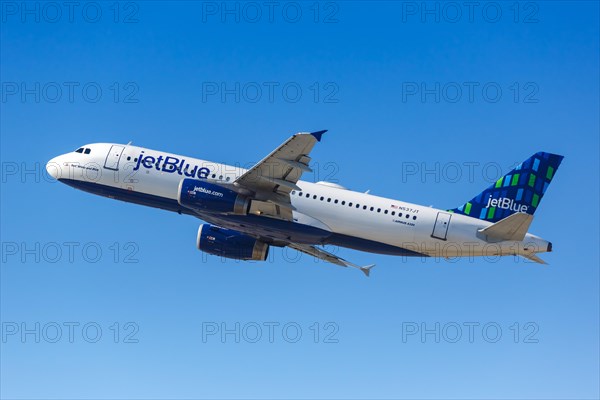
<point>230,244</point>
<point>210,197</point>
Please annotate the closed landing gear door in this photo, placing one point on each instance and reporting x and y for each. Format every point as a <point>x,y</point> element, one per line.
<point>440,229</point>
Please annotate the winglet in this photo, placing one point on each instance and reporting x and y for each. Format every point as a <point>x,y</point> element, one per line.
<point>367,270</point>
<point>318,134</point>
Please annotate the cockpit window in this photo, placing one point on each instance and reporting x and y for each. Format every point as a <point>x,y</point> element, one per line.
<point>79,150</point>
<point>87,151</point>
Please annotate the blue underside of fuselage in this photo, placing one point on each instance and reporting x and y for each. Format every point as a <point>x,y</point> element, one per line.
<point>275,229</point>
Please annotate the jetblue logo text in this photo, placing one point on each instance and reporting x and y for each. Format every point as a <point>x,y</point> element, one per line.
<point>507,204</point>
<point>171,165</point>
<point>200,189</point>
<point>269,332</point>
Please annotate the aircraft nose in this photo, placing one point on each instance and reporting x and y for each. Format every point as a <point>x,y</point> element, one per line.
<point>53,168</point>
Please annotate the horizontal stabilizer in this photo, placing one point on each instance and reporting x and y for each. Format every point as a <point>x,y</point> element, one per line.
<point>327,256</point>
<point>367,270</point>
<point>512,228</point>
<point>534,258</point>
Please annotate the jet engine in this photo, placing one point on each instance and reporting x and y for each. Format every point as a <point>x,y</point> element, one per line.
<point>230,244</point>
<point>211,198</point>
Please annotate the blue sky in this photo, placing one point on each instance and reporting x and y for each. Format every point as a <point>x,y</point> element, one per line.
<point>410,96</point>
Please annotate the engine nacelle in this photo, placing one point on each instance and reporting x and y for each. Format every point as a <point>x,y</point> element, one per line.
<point>230,244</point>
<point>211,198</point>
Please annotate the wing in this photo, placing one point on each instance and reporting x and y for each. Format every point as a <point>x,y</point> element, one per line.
<point>273,178</point>
<point>282,242</point>
<point>326,256</point>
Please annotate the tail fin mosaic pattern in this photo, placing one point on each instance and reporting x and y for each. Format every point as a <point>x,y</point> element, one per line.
<point>521,190</point>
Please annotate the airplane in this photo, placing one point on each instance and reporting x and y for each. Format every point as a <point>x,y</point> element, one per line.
<point>247,211</point>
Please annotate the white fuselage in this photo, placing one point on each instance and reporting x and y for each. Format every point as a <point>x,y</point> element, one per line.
<point>153,177</point>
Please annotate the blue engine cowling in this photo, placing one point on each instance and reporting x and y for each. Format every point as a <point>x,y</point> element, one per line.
<point>210,197</point>
<point>230,244</point>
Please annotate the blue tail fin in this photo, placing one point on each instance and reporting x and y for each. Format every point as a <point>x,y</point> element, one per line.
<point>521,190</point>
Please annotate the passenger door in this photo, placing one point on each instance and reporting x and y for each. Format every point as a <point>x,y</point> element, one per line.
<point>113,157</point>
<point>440,229</point>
